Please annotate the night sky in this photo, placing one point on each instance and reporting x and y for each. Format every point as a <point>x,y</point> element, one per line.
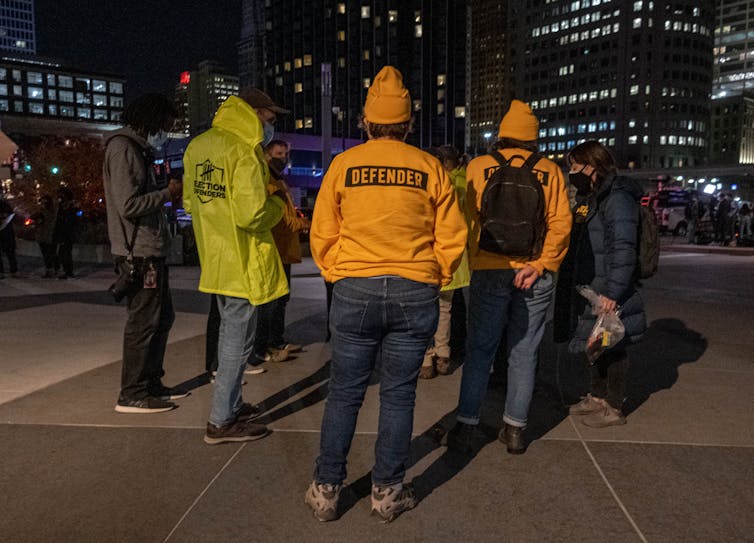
<point>148,41</point>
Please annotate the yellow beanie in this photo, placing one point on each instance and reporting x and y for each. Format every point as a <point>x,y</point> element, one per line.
<point>388,101</point>
<point>519,123</point>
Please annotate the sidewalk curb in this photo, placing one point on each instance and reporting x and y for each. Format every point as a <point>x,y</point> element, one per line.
<point>706,249</point>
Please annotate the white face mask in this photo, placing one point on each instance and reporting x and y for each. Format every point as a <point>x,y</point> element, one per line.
<point>157,140</point>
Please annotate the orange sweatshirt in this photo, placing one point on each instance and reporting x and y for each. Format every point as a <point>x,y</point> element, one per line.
<point>557,213</point>
<point>387,208</point>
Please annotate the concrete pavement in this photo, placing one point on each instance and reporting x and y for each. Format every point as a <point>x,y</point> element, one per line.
<point>682,469</point>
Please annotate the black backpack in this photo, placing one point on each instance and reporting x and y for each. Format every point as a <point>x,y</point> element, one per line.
<point>512,213</point>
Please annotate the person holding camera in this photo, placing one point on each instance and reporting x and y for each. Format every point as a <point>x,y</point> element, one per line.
<point>139,242</point>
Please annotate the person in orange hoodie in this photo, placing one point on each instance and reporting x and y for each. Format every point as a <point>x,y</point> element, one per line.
<point>509,294</point>
<point>388,232</point>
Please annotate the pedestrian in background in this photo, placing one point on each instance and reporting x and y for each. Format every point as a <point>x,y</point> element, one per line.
<point>232,214</point>
<point>744,215</point>
<point>510,294</point>
<point>7,238</point>
<point>437,358</point>
<point>387,232</point>
<point>137,228</point>
<point>64,235</point>
<point>44,228</point>
<point>603,254</point>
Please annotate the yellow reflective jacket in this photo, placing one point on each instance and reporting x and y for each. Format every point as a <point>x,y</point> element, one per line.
<point>462,275</point>
<point>225,191</point>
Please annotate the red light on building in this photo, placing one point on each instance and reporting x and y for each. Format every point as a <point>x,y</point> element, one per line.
<point>185,78</point>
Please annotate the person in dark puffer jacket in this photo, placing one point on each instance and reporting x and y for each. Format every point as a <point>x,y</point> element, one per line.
<point>603,254</point>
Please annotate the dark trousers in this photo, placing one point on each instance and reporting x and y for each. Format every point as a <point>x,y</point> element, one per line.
<point>608,376</point>
<point>328,293</point>
<point>9,250</point>
<point>277,314</point>
<point>65,256</point>
<point>263,334</point>
<point>213,335</point>
<point>150,317</point>
<point>49,255</point>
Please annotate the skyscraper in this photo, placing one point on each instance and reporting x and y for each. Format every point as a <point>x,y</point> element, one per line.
<point>424,39</point>
<point>199,93</point>
<point>17,26</point>
<point>635,75</point>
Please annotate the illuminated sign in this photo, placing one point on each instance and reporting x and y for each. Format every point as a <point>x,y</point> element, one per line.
<point>185,78</point>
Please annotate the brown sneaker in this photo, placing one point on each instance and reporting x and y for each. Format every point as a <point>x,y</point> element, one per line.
<point>443,365</point>
<point>323,499</point>
<point>427,372</point>
<point>588,405</point>
<point>607,416</point>
<point>276,355</point>
<point>390,501</point>
<point>240,430</point>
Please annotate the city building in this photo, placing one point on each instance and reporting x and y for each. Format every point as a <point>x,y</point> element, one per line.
<point>40,97</point>
<point>636,76</point>
<point>732,131</point>
<point>17,27</point>
<point>199,93</point>
<point>487,87</point>
<point>250,58</point>
<point>425,40</point>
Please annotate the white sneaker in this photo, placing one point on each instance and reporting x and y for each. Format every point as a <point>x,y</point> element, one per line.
<point>254,370</point>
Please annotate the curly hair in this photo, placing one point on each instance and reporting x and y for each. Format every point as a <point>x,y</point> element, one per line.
<point>149,114</point>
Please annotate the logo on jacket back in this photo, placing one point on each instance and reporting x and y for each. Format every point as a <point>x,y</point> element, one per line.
<point>543,177</point>
<point>363,176</point>
<point>209,182</point>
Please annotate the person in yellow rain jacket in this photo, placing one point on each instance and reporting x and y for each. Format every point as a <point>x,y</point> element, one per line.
<point>225,191</point>
<point>388,232</point>
<point>509,294</point>
<point>437,358</point>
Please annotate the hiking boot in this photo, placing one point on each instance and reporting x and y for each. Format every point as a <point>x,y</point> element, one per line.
<point>240,430</point>
<point>323,499</point>
<point>168,393</point>
<point>607,416</point>
<point>144,405</point>
<point>427,372</point>
<point>390,501</point>
<point>248,412</point>
<point>588,404</point>
<point>460,436</point>
<point>513,437</point>
<point>443,365</point>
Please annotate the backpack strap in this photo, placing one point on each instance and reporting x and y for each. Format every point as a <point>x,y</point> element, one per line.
<point>529,163</point>
<point>532,161</point>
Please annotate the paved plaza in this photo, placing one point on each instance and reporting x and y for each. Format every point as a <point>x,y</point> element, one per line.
<point>73,470</point>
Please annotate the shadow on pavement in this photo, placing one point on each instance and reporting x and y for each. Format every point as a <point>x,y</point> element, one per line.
<point>320,377</point>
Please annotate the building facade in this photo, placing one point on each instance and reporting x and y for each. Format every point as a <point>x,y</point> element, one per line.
<point>732,132</point>
<point>636,76</point>
<point>424,39</point>
<point>199,93</point>
<point>17,33</point>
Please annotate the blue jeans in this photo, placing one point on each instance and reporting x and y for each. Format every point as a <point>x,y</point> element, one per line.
<point>238,321</point>
<point>397,316</point>
<point>497,306</point>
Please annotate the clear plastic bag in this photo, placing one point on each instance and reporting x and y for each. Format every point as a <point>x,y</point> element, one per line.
<point>607,331</point>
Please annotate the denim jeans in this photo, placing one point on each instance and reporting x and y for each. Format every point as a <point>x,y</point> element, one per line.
<point>145,338</point>
<point>397,317</point>
<point>238,320</point>
<point>277,315</point>
<point>496,306</point>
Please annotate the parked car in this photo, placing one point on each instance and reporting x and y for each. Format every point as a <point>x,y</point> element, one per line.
<point>669,206</point>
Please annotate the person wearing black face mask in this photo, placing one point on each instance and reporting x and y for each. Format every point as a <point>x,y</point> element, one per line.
<point>269,343</point>
<point>602,254</point>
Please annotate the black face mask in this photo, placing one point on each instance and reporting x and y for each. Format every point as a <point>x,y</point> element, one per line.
<point>278,164</point>
<point>581,181</point>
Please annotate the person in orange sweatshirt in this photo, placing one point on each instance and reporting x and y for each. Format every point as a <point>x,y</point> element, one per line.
<point>388,232</point>
<point>509,294</point>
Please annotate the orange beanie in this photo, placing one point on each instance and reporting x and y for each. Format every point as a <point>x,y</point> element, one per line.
<point>388,101</point>
<point>519,123</point>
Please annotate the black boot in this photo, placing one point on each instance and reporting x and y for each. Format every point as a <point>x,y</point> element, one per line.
<point>513,437</point>
<point>459,438</point>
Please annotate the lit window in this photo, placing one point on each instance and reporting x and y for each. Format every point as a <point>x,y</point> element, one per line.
<point>365,54</point>
<point>341,9</point>
<point>460,112</point>
<point>115,88</point>
<point>341,35</point>
<point>342,62</point>
<point>365,12</point>
<point>392,16</point>
<point>417,16</point>
<point>417,105</point>
<point>307,60</point>
<point>308,122</point>
<point>34,78</point>
<point>287,66</point>
<point>36,108</point>
<point>17,90</point>
<point>299,123</point>
<point>366,82</point>
<point>298,87</point>
<point>634,90</point>
<point>440,109</point>
<point>418,31</point>
<point>297,63</point>
<point>440,80</point>
<point>99,85</point>
<point>279,81</point>
<point>637,22</point>
<point>4,90</point>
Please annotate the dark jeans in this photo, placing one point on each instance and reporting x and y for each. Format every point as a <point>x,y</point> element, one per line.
<point>608,376</point>
<point>213,335</point>
<point>10,253</point>
<point>263,334</point>
<point>397,317</point>
<point>277,314</point>
<point>49,256</point>
<point>150,317</point>
<point>65,256</point>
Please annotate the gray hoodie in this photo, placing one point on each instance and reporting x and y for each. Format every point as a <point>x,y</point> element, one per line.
<point>131,193</point>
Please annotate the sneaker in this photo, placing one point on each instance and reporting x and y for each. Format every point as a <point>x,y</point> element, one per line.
<point>513,437</point>
<point>292,347</point>
<point>390,501</point>
<point>275,355</point>
<point>443,365</point>
<point>239,430</point>
<point>323,499</point>
<point>427,372</point>
<point>168,393</point>
<point>248,412</point>
<point>144,405</point>
<point>254,370</point>
<point>460,436</point>
<point>607,416</point>
<point>588,404</point>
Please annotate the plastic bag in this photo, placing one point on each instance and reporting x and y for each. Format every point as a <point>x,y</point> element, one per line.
<point>608,330</point>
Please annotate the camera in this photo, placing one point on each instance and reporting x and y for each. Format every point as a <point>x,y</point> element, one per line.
<point>127,279</point>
